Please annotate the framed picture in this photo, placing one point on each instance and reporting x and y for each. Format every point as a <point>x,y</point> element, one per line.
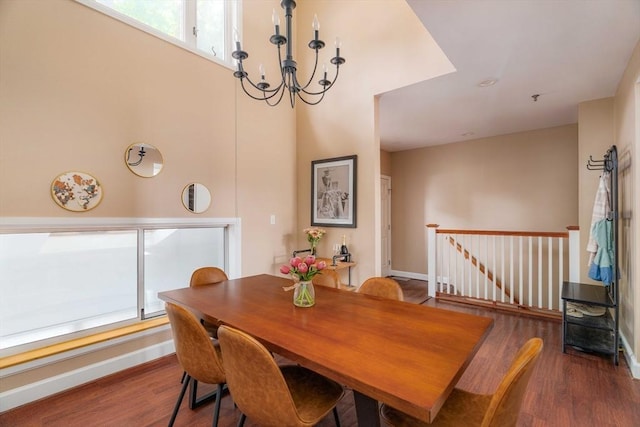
<point>333,192</point>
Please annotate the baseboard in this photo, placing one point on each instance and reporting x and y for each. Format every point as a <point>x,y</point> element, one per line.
<point>31,392</point>
<point>410,275</point>
<point>630,357</point>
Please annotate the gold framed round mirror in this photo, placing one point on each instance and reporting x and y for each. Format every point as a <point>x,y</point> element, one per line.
<point>196,197</point>
<point>144,160</point>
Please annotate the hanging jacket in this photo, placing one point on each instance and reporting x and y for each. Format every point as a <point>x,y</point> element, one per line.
<point>601,208</point>
<point>601,268</point>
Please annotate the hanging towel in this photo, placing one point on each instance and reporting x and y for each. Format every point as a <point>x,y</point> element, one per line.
<point>601,268</point>
<point>601,208</point>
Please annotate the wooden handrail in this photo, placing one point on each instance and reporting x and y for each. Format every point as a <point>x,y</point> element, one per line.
<point>561,234</point>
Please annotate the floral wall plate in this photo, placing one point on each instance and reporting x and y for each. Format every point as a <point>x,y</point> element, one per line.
<point>76,191</point>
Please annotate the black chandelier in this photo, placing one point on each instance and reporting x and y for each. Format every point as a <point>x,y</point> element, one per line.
<point>289,80</point>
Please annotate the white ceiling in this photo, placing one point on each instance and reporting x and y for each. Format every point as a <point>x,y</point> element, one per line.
<point>567,51</point>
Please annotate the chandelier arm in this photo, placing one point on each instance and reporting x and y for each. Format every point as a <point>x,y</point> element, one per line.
<point>309,102</point>
<point>257,98</point>
<point>271,91</point>
<point>315,68</point>
<point>279,99</point>
<point>326,88</point>
<point>282,73</point>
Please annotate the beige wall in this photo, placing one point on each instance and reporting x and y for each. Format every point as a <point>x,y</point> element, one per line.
<point>77,87</point>
<point>627,138</point>
<point>522,181</point>
<point>385,163</point>
<point>345,122</point>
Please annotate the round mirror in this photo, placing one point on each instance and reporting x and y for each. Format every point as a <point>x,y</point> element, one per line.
<point>196,198</point>
<point>143,159</point>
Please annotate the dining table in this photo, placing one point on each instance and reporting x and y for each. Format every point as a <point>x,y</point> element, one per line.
<point>406,355</point>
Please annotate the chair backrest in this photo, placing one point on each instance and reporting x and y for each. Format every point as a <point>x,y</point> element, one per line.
<point>207,276</point>
<point>196,353</point>
<point>255,381</point>
<point>329,278</point>
<point>506,401</point>
<point>382,287</point>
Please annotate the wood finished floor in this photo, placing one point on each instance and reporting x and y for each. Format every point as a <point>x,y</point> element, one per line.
<point>574,389</point>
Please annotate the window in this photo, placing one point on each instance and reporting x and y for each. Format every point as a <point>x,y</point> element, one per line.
<point>201,26</point>
<point>57,281</point>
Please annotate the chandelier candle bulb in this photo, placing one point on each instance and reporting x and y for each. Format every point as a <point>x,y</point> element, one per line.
<point>236,38</point>
<point>275,18</point>
<point>316,27</point>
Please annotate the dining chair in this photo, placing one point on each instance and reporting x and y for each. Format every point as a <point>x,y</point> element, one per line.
<point>464,408</point>
<point>207,276</point>
<point>204,276</point>
<point>273,395</point>
<point>384,287</point>
<point>197,355</point>
<point>329,278</point>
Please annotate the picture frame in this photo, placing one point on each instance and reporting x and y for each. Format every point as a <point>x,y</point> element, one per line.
<point>333,192</point>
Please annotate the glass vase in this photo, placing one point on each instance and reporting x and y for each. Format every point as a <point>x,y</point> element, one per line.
<point>304,295</point>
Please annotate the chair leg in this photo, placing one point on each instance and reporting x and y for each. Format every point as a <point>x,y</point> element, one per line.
<point>180,397</point>
<point>216,408</point>
<point>195,401</point>
<point>184,375</point>
<point>336,416</point>
<point>241,421</point>
<point>193,393</point>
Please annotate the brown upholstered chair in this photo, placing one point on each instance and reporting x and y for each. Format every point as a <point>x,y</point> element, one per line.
<point>207,276</point>
<point>464,408</point>
<point>199,277</point>
<point>197,355</point>
<point>273,395</point>
<point>384,287</point>
<point>329,278</point>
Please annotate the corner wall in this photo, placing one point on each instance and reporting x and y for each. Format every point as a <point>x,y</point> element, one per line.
<point>345,122</point>
<point>627,137</point>
<point>77,87</point>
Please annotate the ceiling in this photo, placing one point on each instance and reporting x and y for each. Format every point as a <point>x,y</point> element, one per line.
<point>565,51</point>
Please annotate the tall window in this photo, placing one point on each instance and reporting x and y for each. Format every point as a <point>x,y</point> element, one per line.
<point>202,26</point>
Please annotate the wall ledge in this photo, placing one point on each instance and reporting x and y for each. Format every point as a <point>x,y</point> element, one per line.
<point>78,343</point>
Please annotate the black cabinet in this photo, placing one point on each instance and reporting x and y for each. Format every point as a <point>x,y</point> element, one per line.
<point>597,334</point>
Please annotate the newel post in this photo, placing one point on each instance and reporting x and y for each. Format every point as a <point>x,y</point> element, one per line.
<point>574,253</point>
<point>431,259</point>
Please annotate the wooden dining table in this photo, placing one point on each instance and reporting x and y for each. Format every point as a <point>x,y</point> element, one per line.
<point>406,355</point>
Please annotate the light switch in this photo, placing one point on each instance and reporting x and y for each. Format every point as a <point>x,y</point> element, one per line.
<point>273,219</point>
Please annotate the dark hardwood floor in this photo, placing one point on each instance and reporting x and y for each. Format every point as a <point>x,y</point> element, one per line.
<point>573,389</point>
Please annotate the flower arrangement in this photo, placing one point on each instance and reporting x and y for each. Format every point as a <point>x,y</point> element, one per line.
<point>303,269</point>
<point>314,235</point>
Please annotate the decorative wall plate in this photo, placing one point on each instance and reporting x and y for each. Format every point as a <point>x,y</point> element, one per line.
<point>76,191</point>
